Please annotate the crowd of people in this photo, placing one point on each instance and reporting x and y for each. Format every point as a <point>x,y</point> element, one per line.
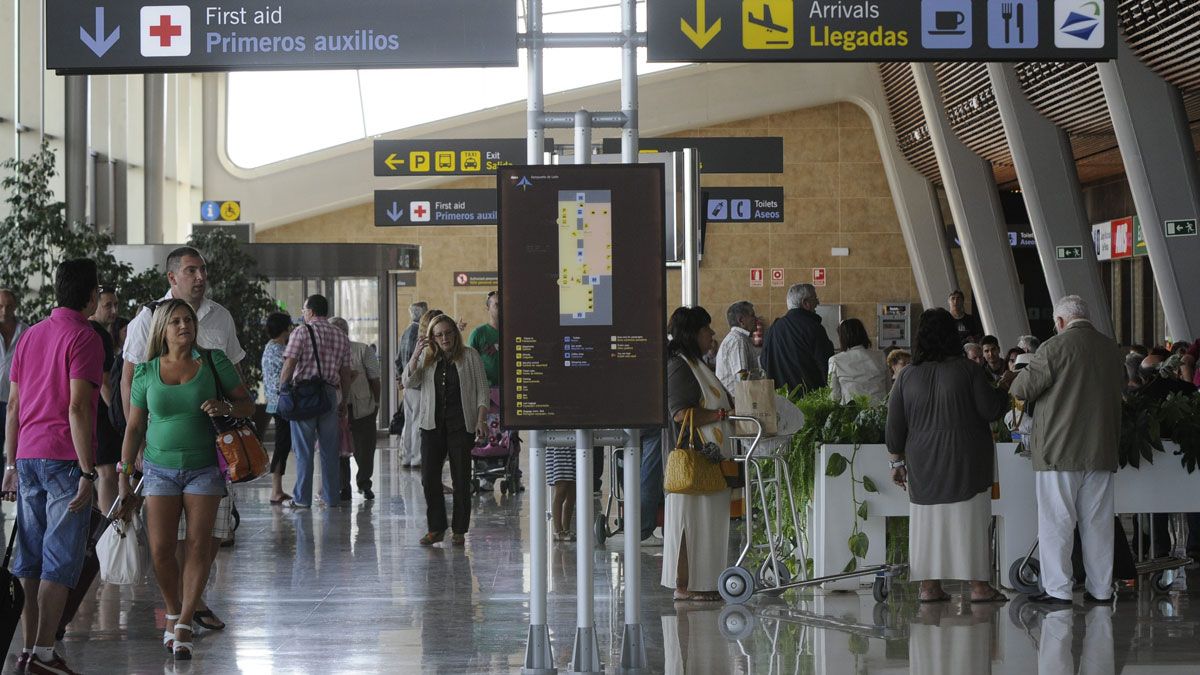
<point>99,401</point>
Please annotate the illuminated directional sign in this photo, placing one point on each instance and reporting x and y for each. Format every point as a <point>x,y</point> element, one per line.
<point>102,36</point>
<point>449,157</point>
<point>881,30</point>
<point>397,208</point>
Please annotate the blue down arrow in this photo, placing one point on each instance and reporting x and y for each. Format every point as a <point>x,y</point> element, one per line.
<point>395,212</point>
<point>99,44</point>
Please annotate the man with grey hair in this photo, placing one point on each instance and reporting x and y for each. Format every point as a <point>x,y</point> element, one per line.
<point>11,329</point>
<point>1076,379</point>
<point>796,348</point>
<point>363,405</point>
<point>974,352</point>
<point>737,354</point>
<point>1028,344</point>
<point>410,452</point>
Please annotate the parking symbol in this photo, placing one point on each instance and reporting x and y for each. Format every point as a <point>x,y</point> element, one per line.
<point>418,160</point>
<point>718,209</point>
<point>471,160</point>
<point>445,160</point>
<point>740,209</point>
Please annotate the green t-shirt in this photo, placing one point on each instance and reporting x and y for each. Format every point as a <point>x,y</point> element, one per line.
<point>179,435</point>
<point>486,340</point>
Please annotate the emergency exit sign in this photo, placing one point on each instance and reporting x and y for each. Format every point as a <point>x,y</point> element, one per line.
<point>1181,228</point>
<point>1069,252</point>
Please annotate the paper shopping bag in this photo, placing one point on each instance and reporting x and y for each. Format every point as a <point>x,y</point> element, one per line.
<point>755,398</point>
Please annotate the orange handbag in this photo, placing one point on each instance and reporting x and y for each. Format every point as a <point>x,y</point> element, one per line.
<point>240,453</point>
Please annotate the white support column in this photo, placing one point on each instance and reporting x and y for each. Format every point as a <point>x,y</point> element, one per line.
<point>633,646</point>
<point>1160,163</point>
<point>978,218</point>
<point>586,657</point>
<point>1050,186</point>
<point>539,657</point>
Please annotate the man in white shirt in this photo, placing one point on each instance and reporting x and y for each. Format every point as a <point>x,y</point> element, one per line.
<point>187,274</point>
<point>737,351</point>
<point>364,409</point>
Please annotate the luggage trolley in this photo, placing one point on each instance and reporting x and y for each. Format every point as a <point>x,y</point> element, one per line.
<point>737,583</point>
<point>1024,575</point>
<point>615,503</point>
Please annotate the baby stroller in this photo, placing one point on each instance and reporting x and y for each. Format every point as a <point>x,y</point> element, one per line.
<point>494,461</point>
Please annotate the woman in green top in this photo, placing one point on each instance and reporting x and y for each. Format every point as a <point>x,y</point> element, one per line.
<point>172,398</point>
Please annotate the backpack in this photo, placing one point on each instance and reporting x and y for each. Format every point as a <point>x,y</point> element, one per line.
<point>116,413</point>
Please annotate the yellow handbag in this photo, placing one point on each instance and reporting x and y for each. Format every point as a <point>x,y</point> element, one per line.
<point>688,472</point>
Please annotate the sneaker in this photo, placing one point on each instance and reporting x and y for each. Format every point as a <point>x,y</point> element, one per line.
<point>368,494</point>
<point>55,666</point>
<point>652,541</point>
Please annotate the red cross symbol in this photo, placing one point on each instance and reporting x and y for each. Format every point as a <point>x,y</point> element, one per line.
<point>420,211</point>
<point>165,30</point>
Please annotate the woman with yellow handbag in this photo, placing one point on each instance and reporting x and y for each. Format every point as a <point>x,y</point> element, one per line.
<point>696,528</point>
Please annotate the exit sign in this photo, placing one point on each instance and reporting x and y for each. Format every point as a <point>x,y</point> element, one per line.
<point>1181,228</point>
<point>1069,252</point>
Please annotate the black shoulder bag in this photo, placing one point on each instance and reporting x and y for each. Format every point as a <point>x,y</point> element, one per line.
<point>308,398</point>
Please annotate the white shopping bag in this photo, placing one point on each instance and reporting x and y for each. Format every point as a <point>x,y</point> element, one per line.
<point>122,553</point>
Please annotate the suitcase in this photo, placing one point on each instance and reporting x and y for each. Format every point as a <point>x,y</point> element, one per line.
<point>87,575</point>
<point>12,597</point>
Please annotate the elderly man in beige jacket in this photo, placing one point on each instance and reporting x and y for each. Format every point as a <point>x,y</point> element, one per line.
<point>1076,380</point>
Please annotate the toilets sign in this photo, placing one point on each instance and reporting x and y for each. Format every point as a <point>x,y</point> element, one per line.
<point>104,36</point>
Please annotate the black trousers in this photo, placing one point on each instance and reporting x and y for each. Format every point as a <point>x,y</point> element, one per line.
<point>283,445</point>
<point>362,431</point>
<point>436,447</point>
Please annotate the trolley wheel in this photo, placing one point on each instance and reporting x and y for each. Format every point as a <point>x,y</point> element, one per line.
<point>1025,578</point>
<point>600,529</point>
<point>736,585</point>
<point>736,622</point>
<point>237,518</point>
<point>502,486</point>
<point>1162,581</point>
<point>773,574</point>
<point>881,589</point>
<point>474,486</point>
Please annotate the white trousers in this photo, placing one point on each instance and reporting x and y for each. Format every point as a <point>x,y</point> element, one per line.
<point>410,438</point>
<point>1067,498</point>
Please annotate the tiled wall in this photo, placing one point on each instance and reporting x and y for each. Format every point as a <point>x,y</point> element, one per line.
<point>836,196</point>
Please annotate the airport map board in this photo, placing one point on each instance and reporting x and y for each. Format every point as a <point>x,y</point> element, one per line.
<point>881,30</point>
<point>582,296</point>
<point>99,36</point>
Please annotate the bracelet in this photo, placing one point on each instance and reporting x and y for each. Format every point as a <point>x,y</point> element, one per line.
<point>125,468</point>
<point>898,464</point>
<point>10,467</point>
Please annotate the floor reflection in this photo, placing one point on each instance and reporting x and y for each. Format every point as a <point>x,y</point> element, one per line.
<point>349,590</point>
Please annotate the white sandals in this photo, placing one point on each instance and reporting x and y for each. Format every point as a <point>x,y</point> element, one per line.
<point>181,649</point>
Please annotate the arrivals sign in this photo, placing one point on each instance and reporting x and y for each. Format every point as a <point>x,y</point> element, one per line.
<point>753,154</point>
<point>881,30</point>
<point>395,208</point>
<point>448,157</point>
<point>98,37</point>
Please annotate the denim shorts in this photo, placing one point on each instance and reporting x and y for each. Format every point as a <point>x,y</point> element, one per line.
<point>163,481</point>
<point>51,539</point>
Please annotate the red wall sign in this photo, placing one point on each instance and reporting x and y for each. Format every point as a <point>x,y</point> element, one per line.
<point>1122,238</point>
<point>756,277</point>
<point>818,276</point>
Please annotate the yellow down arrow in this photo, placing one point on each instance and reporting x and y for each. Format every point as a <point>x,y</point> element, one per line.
<point>392,161</point>
<point>700,35</point>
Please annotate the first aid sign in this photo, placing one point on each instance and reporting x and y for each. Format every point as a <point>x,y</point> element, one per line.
<point>166,30</point>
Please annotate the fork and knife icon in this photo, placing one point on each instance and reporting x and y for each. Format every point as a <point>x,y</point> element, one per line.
<point>1006,14</point>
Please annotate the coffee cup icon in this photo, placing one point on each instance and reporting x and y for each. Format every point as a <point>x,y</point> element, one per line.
<point>948,21</point>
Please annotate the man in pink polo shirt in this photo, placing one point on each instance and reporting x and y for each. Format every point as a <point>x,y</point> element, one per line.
<point>49,452</point>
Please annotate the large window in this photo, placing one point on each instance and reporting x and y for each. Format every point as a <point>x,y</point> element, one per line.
<point>276,116</point>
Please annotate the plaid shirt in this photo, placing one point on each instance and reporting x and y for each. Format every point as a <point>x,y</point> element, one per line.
<point>332,344</point>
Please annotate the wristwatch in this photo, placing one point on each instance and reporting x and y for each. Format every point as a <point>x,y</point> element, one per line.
<point>92,475</point>
<point>896,464</point>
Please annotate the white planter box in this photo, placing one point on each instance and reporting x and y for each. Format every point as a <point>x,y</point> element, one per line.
<point>1161,487</point>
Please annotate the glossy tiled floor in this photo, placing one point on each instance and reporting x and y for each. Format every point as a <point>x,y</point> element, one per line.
<point>348,590</point>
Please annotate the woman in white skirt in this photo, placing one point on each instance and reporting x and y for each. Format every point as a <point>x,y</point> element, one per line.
<point>942,452</point>
<point>696,527</point>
